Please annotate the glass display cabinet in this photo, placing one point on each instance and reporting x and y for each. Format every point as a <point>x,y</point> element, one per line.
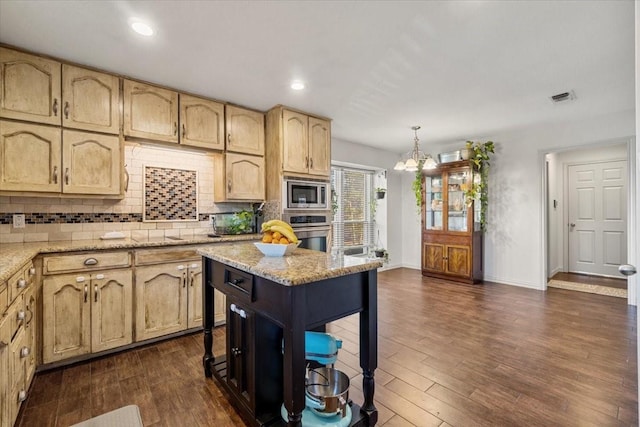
<point>451,236</point>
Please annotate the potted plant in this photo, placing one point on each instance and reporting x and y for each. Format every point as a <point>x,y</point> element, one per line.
<point>380,192</point>
<point>381,253</point>
<point>479,155</point>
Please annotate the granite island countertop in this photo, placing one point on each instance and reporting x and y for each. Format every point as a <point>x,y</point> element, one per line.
<point>14,255</point>
<point>302,266</point>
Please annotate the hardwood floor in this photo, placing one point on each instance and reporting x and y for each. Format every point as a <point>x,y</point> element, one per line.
<point>449,355</point>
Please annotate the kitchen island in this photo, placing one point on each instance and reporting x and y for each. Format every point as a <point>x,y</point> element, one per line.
<point>274,300</point>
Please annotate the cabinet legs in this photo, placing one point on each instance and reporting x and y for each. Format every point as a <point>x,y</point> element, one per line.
<point>208,359</point>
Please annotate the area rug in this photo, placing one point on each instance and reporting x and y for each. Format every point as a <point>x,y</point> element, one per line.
<point>127,416</point>
<point>584,287</point>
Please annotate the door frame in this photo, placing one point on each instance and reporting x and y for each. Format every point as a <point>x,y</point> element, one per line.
<point>632,209</point>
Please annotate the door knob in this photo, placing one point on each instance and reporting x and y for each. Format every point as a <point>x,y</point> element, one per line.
<point>627,269</point>
<point>573,224</point>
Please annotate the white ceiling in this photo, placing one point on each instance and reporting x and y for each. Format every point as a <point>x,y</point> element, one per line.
<point>459,69</point>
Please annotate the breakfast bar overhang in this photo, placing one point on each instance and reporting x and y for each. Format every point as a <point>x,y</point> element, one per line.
<point>271,302</point>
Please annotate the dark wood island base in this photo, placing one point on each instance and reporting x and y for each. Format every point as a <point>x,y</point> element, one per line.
<point>268,310</point>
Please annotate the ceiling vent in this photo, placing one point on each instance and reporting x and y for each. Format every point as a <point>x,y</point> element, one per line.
<point>563,97</point>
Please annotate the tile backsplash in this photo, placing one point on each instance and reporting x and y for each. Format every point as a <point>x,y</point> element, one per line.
<point>55,219</point>
<point>170,194</point>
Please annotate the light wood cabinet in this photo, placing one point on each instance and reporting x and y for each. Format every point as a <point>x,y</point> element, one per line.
<point>245,131</point>
<point>451,236</point>
<point>91,162</point>
<point>201,122</point>
<point>238,177</point>
<point>194,295</point>
<point>319,147</point>
<point>30,157</point>
<point>5,340</point>
<point>36,158</point>
<point>161,300</point>
<point>86,313</point>
<point>29,87</point>
<point>150,112</point>
<point>91,100</point>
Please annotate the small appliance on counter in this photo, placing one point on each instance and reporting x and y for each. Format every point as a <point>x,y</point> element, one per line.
<point>326,389</point>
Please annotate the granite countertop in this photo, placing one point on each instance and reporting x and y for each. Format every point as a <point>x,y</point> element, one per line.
<point>14,255</point>
<point>302,266</point>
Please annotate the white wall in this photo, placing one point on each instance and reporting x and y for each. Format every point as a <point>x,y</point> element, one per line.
<point>348,152</point>
<point>514,241</point>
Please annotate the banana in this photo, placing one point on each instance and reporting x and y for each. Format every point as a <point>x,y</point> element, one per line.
<point>266,226</point>
<point>286,232</point>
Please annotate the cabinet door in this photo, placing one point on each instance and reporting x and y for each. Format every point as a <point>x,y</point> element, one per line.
<point>17,373</point>
<point>295,144</point>
<point>29,87</point>
<point>458,260</point>
<point>31,341</point>
<point>240,353</point>
<point>245,131</point>
<point>5,339</point>
<point>245,177</point>
<point>112,309</point>
<point>433,257</point>
<point>195,313</point>
<point>201,122</point>
<point>29,157</point>
<point>150,112</point>
<point>66,317</point>
<point>319,146</point>
<point>91,163</point>
<point>161,300</point>
<point>91,100</point>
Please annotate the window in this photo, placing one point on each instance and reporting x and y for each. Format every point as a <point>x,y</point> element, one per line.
<point>353,222</point>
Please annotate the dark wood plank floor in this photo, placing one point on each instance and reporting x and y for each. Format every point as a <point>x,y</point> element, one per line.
<point>609,282</point>
<point>449,355</point>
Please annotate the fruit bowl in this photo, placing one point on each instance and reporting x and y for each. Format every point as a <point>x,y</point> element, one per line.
<point>275,249</point>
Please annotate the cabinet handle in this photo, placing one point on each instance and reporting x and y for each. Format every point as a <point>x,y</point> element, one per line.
<point>184,130</point>
<point>238,311</point>
<point>90,261</point>
<point>86,293</point>
<point>311,163</point>
<point>66,176</point>
<point>24,352</point>
<point>229,185</point>
<point>30,312</point>
<point>55,174</point>
<point>55,107</point>
<point>22,396</point>
<point>66,109</point>
<point>95,293</point>
<point>229,138</point>
<point>21,283</point>
<point>306,162</point>
<point>192,278</point>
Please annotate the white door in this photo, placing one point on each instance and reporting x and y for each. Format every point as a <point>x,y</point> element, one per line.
<point>597,217</point>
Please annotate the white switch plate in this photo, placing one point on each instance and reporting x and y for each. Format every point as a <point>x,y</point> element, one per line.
<point>18,221</point>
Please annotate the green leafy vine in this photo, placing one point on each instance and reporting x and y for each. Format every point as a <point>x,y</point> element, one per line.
<point>417,185</point>
<point>479,190</point>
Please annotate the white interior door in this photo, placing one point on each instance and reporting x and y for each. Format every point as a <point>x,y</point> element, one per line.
<point>597,217</point>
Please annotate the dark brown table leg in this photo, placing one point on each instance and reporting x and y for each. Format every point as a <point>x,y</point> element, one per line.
<point>207,309</point>
<point>294,358</point>
<point>369,345</point>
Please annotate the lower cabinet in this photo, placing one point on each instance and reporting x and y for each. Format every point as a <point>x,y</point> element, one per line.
<point>449,259</point>
<point>85,313</point>
<point>5,340</point>
<point>457,258</point>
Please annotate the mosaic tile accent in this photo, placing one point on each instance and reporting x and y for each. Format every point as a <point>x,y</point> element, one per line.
<point>72,218</point>
<point>170,194</point>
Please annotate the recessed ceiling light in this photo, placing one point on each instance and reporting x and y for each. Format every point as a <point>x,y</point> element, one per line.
<point>142,28</point>
<point>297,85</point>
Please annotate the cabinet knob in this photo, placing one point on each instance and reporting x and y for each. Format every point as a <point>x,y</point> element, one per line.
<point>90,261</point>
<point>79,279</point>
<point>21,283</point>
<point>32,271</point>
<point>21,315</point>
<point>24,352</point>
<point>22,396</point>
<point>236,351</point>
<point>181,267</point>
<point>99,276</point>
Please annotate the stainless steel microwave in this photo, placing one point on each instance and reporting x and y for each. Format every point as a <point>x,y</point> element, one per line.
<point>305,194</point>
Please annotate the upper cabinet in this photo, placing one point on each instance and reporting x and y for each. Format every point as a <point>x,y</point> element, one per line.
<point>238,177</point>
<point>245,131</point>
<point>90,100</point>
<point>298,145</point>
<point>29,87</point>
<point>201,122</point>
<point>150,112</point>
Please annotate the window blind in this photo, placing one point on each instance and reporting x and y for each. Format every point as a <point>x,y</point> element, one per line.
<point>353,223</point>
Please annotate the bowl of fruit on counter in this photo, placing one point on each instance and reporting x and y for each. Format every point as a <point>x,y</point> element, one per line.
<point>278,238</point>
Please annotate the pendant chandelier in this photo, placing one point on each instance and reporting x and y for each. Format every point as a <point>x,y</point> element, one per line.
<point>415,156</point>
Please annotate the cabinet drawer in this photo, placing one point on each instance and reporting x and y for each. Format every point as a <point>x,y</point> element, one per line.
<point>85,262</point>
<point>161,256</point>
<point>17,283</point>
<point>233,282</point>
<point>17,316</point>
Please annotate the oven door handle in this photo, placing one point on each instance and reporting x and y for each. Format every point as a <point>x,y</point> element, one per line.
<point>305,232</point>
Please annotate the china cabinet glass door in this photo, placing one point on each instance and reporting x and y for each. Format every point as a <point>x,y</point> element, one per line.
<point>433,202</point>
<point>456,206</point>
